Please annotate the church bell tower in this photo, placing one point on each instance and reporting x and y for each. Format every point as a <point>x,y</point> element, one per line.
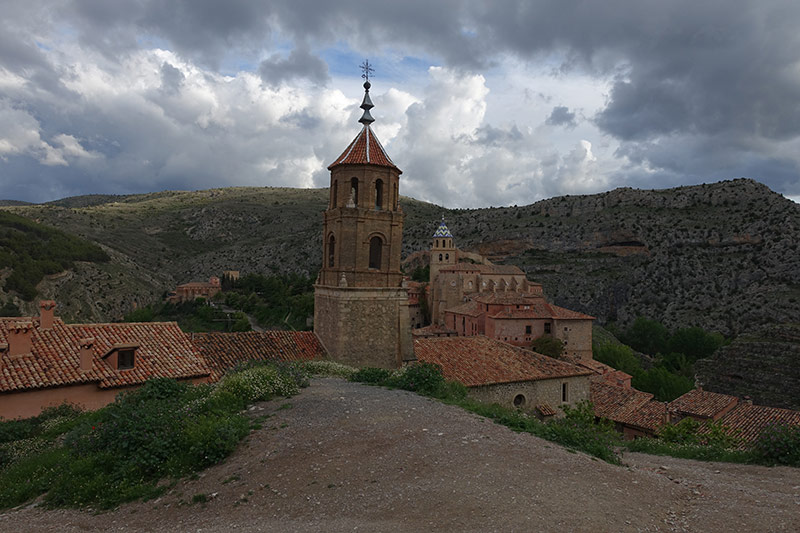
<point>360,308</point>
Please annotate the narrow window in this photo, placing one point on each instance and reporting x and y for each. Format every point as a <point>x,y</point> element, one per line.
<point>527,330</point>
<point>564,392</point>
<point>437,243</point>
<point>379,194</point>
<point>375,245</point>
<point>125,359</point>
<point>354,190</point>
<point>440,257</point>
<point>335,194</point>
<point>395,197</point>
<point>331,250</point>
<point>547,328</point>
<point>447,257</point>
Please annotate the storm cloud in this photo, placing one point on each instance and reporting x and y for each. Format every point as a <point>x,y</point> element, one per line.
<point>480,105</point>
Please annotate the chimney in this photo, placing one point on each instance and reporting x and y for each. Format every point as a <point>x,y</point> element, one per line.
<point>46,313</point>
<point>87,354</point>
<point>19,338</point>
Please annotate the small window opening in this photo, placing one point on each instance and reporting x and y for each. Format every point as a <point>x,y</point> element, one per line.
<point>331,250</point>
<point>527,330</point>
<point>447,257</point>
<point>125,359</point>
<point>379,194</point>
<point>564,392</point>
<point>354,190</point>
<point>440,257</point>
<point>547,327</point>
<point>375,249</point>
<point>335,194</point>
<point>519,400</point>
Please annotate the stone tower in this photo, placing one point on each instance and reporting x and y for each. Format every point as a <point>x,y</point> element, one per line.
<point>443,254</point>
<point>360,308</point>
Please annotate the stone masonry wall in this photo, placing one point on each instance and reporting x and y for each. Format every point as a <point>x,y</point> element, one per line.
<point>364,326</point>
<point>547,391</point>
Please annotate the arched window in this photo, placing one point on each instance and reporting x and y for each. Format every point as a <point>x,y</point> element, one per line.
<point>331,250</point>
<point>437,243</point>
<point>395,197</point>
<point>440,257</point>
<point>375,249</point>
<point>354,190</point>
<point>447,257</point>
<point>335,193</point>
<point>379,194</point>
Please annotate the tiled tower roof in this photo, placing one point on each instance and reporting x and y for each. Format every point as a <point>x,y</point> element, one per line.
<point>442,230</point>
<point>365,148</point>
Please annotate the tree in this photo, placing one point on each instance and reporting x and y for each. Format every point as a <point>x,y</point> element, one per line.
<point>647,336</point>
<point>548,345</point>
<point>695,343</point>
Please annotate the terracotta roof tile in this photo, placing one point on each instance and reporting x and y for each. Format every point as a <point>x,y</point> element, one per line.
<point>468,308</point>
<point>546,410</point>
<point>365,149</point>
<point>223,351</point>
<point>163,351</point>
<point>702,404</point>
<point>626,405</point>
<point>747,421</point>
<point>479,360</point>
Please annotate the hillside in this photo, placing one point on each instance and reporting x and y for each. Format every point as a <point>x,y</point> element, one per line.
<point>721,256</point>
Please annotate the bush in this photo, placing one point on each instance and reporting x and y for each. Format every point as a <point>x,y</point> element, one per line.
<point>424,378</point>
<point>778,444</point>
<point>328,369</point>
<point>119,453</point>
<point>548,345</point>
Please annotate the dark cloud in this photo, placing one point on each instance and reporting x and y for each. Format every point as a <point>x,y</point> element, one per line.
<point>561,116</point>
<point>300,64</point>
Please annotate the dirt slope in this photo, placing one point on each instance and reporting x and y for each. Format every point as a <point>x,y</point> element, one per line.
<point>348,457</point>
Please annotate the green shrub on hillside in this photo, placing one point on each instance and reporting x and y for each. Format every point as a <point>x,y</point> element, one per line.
<point>121,452</point>
<point>548,345</point>
<point>33,251</point>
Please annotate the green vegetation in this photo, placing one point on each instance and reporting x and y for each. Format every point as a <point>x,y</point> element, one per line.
<point>548,345</point>
<point>285,301</point>
<point>163,430</point>
<point>675,354</point>
<point>10,309</point>
<point>33,251</point>
<point>421,274</point>
<point>193,316</point>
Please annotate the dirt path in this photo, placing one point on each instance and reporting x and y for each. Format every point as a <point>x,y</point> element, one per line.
<point>347,457</point>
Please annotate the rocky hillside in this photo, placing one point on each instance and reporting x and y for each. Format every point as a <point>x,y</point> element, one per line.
<point>723,256</point>
<point>762,365</point>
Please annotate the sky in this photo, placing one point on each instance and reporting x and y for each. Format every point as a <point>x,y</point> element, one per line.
<point>480,103</point>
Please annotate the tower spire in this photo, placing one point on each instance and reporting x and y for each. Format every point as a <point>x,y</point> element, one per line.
<point>366,118</point>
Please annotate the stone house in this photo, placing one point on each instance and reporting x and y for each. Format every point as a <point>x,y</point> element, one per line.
<point>45,362</point>
<point>191,291</point>
<point>497,372</point>
<point>519,318</point>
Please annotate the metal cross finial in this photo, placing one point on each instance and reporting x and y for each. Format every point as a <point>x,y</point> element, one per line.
<point>367,69</point>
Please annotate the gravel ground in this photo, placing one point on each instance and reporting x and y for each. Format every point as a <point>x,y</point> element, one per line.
<point>346,457</point>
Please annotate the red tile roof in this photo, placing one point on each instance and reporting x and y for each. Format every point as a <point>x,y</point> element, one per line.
<point>223,351</point>
<point>365,149</point>
<point>510,298</point>
<point>747,421</point>
<point>163,350</point>
<point>626,406</point>
<point>479,360</point>
<point>468,308</point>
<point>546,410</point>
<point>433,330</point>
<point>702,404</point>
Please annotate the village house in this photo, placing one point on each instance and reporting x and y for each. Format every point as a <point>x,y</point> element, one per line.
<point>45,362</point>
<point>496,372</point>
<point>191,291</point>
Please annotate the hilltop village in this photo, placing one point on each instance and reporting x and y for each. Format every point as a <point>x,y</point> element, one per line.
<point>475,319</point>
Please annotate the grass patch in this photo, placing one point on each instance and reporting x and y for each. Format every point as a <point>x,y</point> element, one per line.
<point>163,430</point>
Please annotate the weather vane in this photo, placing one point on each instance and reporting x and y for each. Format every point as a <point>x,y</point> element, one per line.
<point>367,69</point>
